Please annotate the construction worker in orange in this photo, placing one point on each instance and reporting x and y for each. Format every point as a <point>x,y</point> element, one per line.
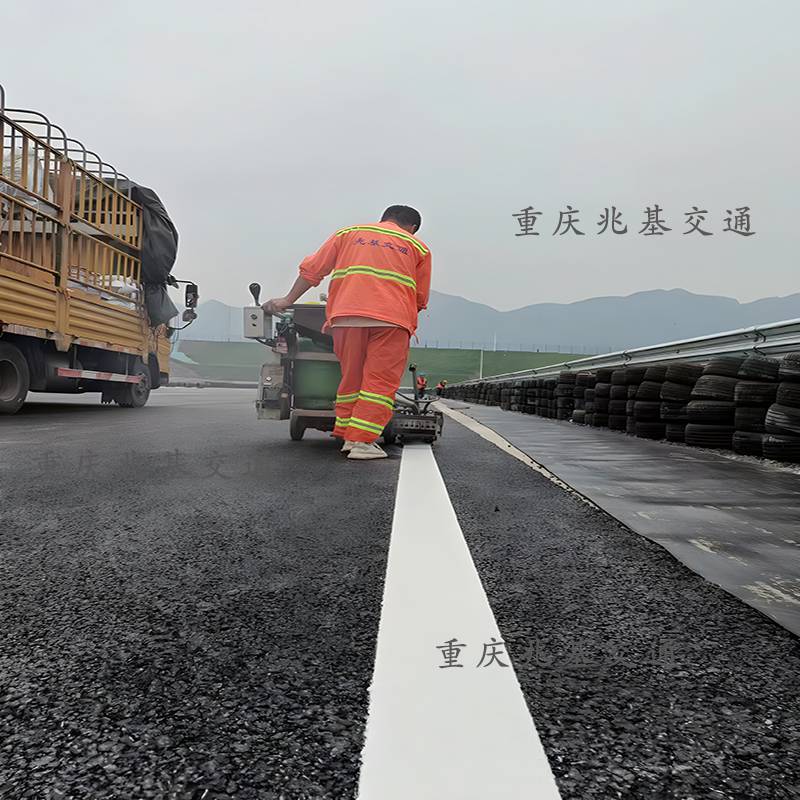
<point>380,281</point>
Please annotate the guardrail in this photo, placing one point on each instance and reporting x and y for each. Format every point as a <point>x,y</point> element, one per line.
<point>771,339</point>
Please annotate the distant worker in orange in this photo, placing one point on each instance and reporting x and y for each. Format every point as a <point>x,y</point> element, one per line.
<point>380,281</point>
<point>422,385</point>
<point>440,387</point>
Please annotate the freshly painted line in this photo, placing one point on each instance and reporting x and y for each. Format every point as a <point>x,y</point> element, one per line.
<point>449,733</point>
<point>498,441</point>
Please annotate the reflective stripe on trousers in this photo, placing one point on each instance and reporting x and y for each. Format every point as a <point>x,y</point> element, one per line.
<point>373,361</point>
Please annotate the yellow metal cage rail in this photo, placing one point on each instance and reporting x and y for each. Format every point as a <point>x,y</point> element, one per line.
<point>70,241</point>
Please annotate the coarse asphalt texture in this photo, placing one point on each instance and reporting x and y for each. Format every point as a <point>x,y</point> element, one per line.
<point>189,602</point>
<point>644,680</point>
<point>190,606</point>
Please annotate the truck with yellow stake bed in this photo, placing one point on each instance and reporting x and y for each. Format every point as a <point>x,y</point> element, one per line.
<point>85,260</point>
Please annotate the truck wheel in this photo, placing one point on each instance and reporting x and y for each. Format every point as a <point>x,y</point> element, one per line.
<point>135,395</point>
<point>15,379</point>
<point>296,429</point>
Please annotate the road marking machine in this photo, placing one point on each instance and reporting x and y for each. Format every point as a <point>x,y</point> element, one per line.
<point>301,375</point>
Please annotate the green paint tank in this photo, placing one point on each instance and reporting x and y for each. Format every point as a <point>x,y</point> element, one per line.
<point>316,370</point>
<point>315,382</point>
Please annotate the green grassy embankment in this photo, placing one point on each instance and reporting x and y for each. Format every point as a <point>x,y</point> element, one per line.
<point>240,361</point>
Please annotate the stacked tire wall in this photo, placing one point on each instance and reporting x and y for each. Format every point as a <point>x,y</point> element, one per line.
<point>746,403</point>
<point>782,423</point>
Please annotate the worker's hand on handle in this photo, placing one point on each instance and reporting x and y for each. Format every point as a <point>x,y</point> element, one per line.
<point>277,305</point>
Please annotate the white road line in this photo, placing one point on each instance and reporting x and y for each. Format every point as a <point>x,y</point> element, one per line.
<point>498,441</point>
<point>452,733</point>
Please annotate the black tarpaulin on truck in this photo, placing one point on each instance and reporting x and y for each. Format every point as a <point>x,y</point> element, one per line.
<point>159,248</point>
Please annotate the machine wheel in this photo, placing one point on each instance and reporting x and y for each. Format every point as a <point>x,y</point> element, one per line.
<point>15,379</point>
<point>135,395</point>
<point>389,436</point>
<point>296,429</point>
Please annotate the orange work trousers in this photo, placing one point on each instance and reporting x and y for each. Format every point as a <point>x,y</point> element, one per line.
<point>373,362</point>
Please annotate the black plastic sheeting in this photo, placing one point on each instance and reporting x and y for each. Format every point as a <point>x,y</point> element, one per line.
<point>159,249</point>
<point>732,519</point>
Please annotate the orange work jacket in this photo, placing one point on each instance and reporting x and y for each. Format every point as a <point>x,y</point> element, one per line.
<point>377,270</point>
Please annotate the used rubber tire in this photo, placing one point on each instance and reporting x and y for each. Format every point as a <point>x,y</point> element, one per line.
<point>783,420</point>
<point>617,422</point>
<point>602,390</point>
<point>686,374</point>
<point>748,444</point>
<point>718,437</point>
<point>618,407</point>
<point>782,448</point>
<point>618,392</point>
<point>600,420</point>
<point>657,373</point>
<point>579,416</point>
<point>750,419</point>
<point>757,393</point>
<point>675,392</point>
<point>629,407</point>
<point>579,392</point>
<point>635,375</point>
<point>789,394</point>
<point>675,431</point>
<point>711,412</point>
<point>714,387</point>
<point>630,426</point>
<point>726,366</point>
<point>759,368</point>
<point>618,377</point>
<point>789,369</point>
<point>675,412</point>
<point>604,375</point>
<point>649,390</point>
<point>633,389</point>
<point>15,378</point>
<point>585,379</point>
<point>647,411</point>
<point>588,419</point>
<point>651,430</point>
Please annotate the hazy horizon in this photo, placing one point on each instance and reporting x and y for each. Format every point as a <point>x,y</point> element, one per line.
<point>264,128</point>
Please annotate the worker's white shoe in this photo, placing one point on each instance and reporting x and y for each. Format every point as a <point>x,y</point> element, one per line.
<point>362,451</point>
<point>347,447</point>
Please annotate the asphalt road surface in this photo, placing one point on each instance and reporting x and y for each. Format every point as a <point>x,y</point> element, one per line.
<point>191,608</point>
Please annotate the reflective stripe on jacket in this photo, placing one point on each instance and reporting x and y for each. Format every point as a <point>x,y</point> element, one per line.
<point>377,270</point>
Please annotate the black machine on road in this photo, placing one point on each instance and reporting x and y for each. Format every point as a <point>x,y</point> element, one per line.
<point>300,379</point>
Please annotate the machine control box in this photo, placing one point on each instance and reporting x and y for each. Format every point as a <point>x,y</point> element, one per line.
<point>257,323</point>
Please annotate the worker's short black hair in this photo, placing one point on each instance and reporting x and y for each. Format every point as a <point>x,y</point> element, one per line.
<point>403,215</point>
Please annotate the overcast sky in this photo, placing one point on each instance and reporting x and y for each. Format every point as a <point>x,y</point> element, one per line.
<point>265,126</point>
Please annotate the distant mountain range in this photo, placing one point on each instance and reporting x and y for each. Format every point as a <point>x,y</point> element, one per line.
<point>596,325</point>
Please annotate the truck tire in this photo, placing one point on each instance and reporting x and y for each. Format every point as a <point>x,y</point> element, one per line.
<point>15,379</point>
<point>296,429</point>
<point>135,395</point>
